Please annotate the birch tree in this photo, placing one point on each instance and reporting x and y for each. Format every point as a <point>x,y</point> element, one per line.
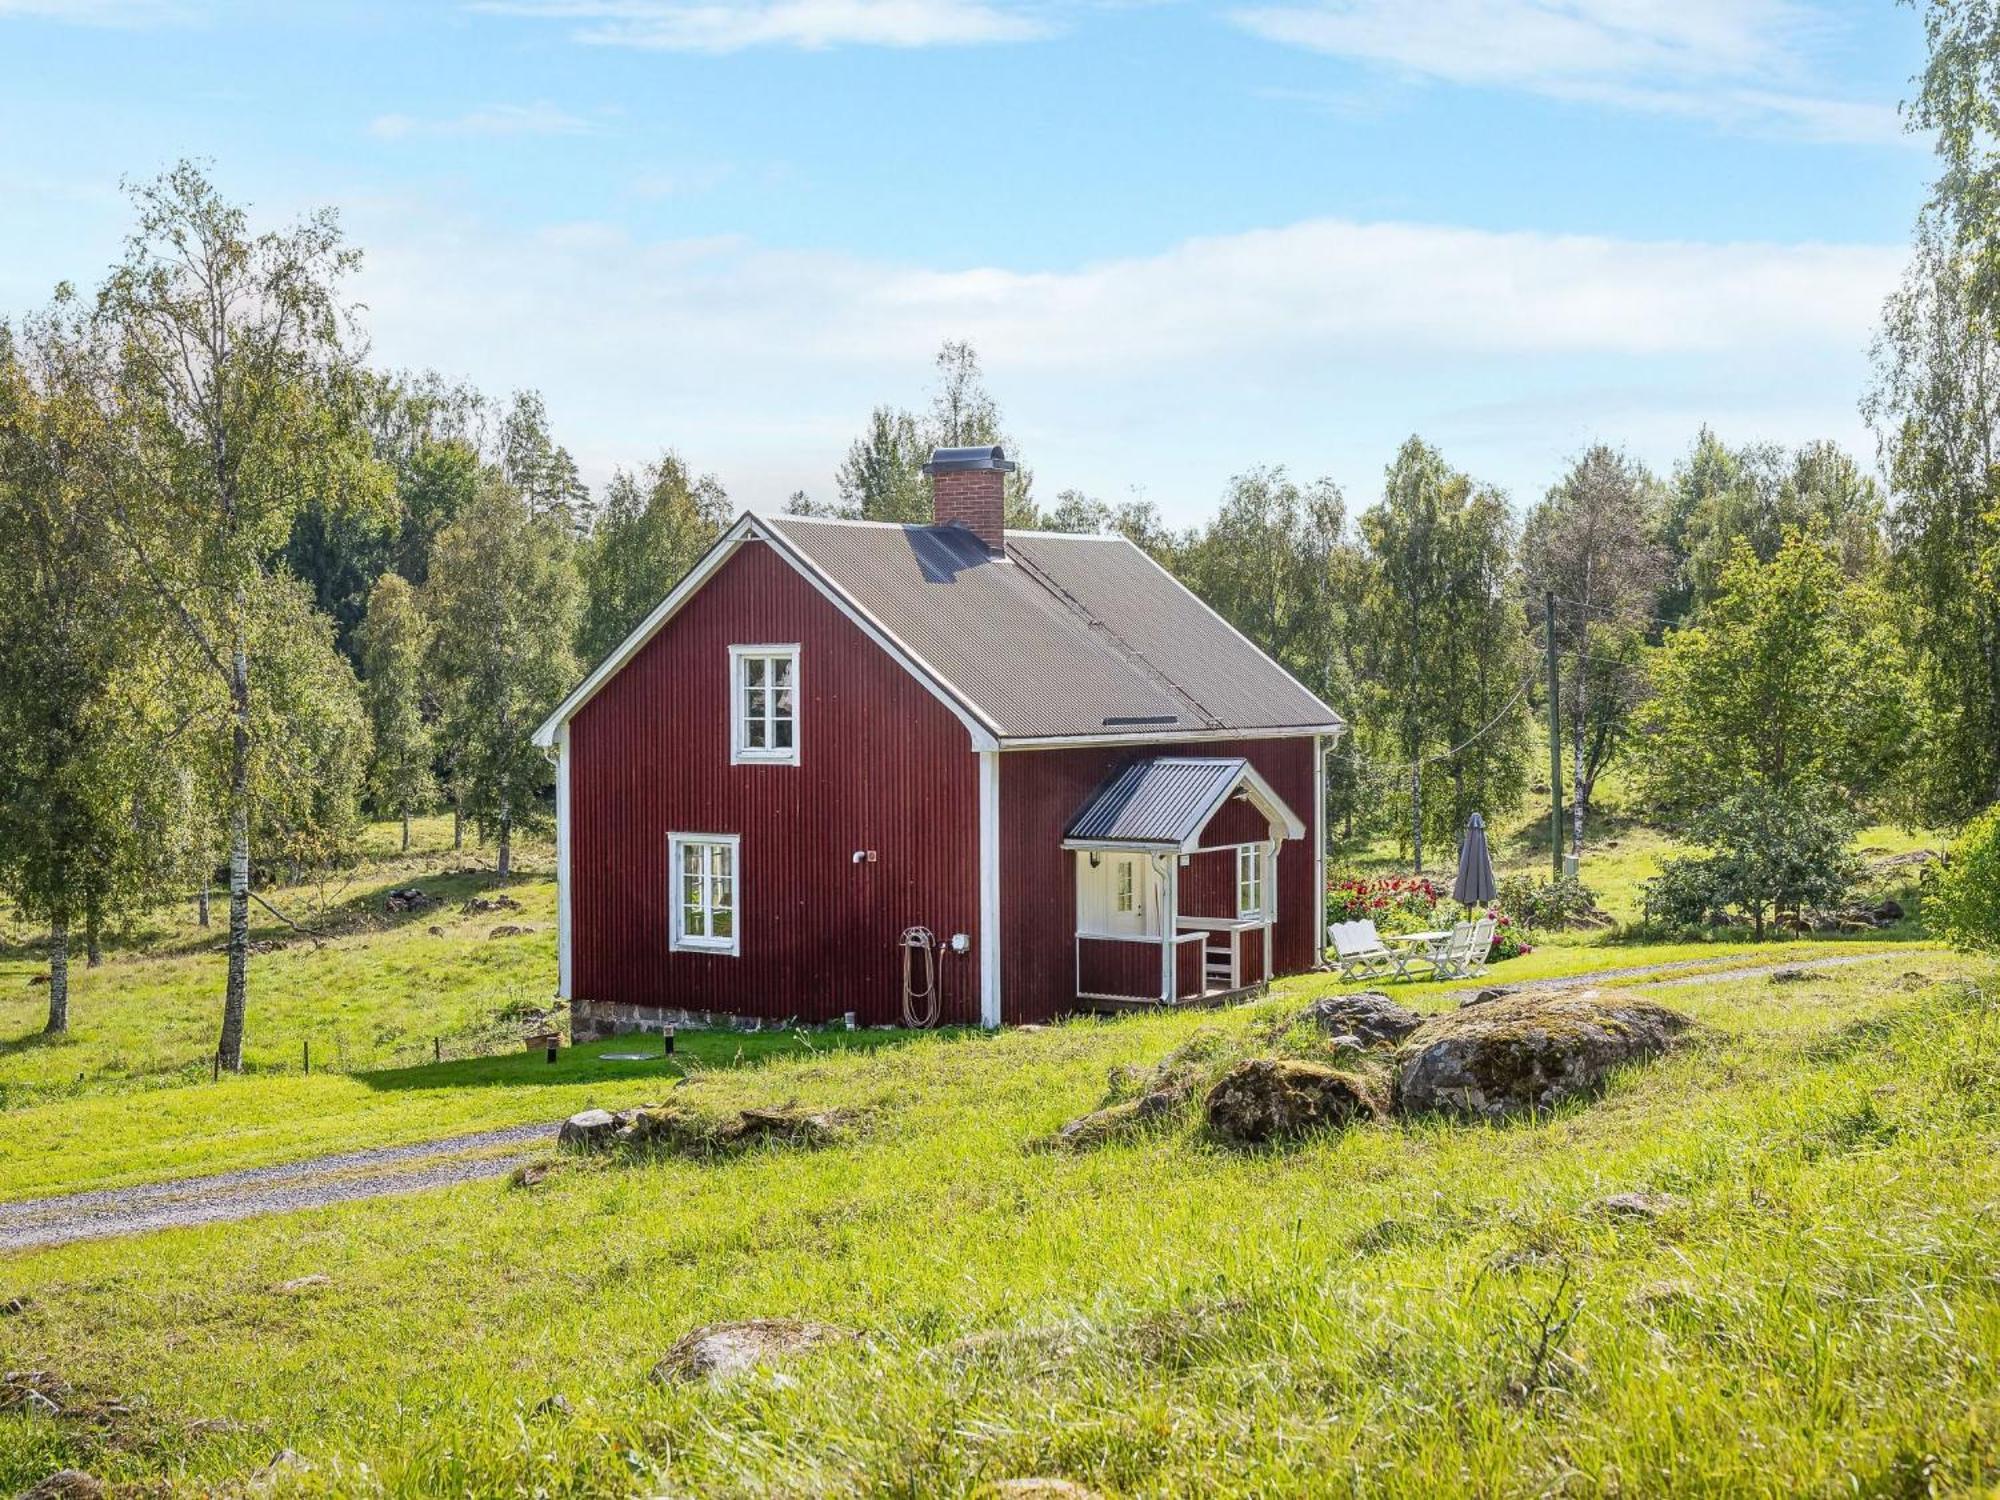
<point>233,360</point>
<point>504,595</point>
<point>395,643</point>
<point>65,636</point>
<point>1590,544</point>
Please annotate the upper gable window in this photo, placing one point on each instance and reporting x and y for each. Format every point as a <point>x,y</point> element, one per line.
<point>763,704</point>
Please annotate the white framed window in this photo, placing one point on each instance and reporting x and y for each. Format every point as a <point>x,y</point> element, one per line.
<point>702,888</point>
<point>1249,880</point>
<point>764,705</point>
<point>1124,887</point>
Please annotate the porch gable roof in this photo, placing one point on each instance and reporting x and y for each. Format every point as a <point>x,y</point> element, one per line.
<point>1163,804</point>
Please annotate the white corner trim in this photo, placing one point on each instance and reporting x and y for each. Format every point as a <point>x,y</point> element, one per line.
<point>740,753</point>
<point>989,888</point>
<point>565,922</point>
<point>677,941</point>
<point>1319,925</point>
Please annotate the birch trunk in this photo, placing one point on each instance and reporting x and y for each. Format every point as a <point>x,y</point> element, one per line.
<point>201,907</point>
<point>1579,791</point>
<point>406,830</point>
<point>457,827</point>
<point>93,948</point>
<point>505,863</point>
<point>236,993</point>
<point>58,976</point>
<point>1417,818</point>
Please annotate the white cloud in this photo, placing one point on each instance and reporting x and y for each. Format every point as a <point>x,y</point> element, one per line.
<point>1738,63</point>
<point>732,25</point>
<point>540,118</point>
<point>1321,342</point>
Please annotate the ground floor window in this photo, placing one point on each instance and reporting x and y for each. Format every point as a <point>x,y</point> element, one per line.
<point>1249,881</point>
<point>704,877</point>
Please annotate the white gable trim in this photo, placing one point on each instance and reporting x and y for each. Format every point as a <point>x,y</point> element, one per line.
<point>984,731</point>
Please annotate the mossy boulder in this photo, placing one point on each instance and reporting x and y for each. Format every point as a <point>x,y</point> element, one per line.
<point>1270,1099</point>
<point>1117,1121</point>
<point>1525,1054</point>
<point>1369,1016</point>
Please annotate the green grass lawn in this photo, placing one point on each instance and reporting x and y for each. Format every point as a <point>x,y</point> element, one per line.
<point>1399,1309</point>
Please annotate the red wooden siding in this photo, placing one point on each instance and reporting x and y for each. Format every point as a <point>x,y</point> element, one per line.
<point>1041,790</point>
<point>1238,821</point>
<point>1190,978</point>
<point>1208,884</point>
<point>885,766</point>
<point>1250,947</point>
<point>1118,966</point>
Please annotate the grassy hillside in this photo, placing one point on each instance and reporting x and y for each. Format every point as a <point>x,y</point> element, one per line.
<point>1400,1309</point>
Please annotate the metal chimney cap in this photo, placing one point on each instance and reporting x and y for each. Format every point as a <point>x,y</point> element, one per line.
<point>969,460</point>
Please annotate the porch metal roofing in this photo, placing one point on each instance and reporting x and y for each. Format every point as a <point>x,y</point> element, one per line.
<point>1165,802</point>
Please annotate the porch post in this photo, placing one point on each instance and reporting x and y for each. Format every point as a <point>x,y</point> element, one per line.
<point>1170,920</point>
<point>1269,855</point>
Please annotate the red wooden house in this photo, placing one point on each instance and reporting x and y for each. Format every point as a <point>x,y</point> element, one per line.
<point>1036,755</point>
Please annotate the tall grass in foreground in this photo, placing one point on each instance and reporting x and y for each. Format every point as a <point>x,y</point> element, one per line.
<point>1399,1310</point>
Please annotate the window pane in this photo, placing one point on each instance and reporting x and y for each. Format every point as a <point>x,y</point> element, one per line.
<point>753,671</point>
<point>724,924</point>
<point>694,921</point>
<point>781,671</point>
<point>781,734</point>
<point>783,705</point>
<point>691,858</point>
<point>755,732</point>
<point>718,860</point>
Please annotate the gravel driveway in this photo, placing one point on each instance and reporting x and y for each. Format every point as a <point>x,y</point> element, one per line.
<point>343,1178</point>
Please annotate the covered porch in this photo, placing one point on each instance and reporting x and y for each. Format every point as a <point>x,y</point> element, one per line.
<point>1176,883</point>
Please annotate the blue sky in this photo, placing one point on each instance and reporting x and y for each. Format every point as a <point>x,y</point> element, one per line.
<point>1186,238</point>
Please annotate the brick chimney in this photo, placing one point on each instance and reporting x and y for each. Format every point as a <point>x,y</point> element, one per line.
<point>969,489</point>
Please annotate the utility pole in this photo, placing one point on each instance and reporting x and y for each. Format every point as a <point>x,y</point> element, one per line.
<point>1555,739</point>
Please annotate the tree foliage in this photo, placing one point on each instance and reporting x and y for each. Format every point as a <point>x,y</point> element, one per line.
<point>651,528</point>
<point>504,595</point>
<point>1589,543</point>
<point>1792,674</point>
<point>1772,851</point>
<point>394,642</point>
<point>1962,902</point>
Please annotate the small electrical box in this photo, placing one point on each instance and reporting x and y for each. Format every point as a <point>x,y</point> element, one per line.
<point>960,943</point>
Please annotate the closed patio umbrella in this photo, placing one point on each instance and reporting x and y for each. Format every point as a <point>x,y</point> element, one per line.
<point>1474,885</point>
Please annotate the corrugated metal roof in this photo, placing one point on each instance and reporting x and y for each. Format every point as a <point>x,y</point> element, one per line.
<point>1061,636</point>
<point>1162,801</point>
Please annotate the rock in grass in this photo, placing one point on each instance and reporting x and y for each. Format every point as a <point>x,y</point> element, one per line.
<point>36,1392</point>
<point>13,1307</point>
<point>1037,1488</point>
<point>588,1129</point>
<point>302,1284</point>
<point>1102,1126</point>
<point>724,1349</point>
<point>510,929</point>
<point>1268,1099</point>
<point>66,1484</point>
<point>1369,1016</point>
<point>1527,1053</point>
<point>1788,976</point>
<point>530,1174</point>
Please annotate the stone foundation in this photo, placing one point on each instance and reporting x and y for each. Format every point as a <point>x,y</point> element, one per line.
<point>597,1020</point>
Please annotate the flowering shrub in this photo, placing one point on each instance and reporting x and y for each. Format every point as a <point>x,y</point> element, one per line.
<point>1413,903</point>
